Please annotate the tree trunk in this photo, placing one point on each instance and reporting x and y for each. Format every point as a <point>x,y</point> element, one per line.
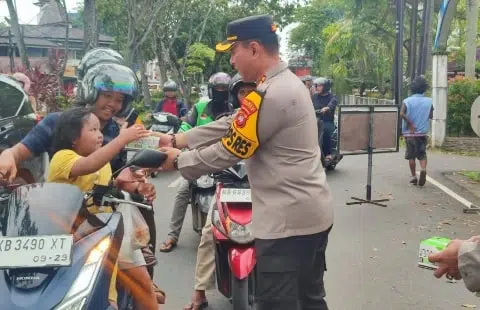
<point>90,35</point>
<point>18,34</point>
<point>471,42</point>
<point>147,99</point>
<point>65,48</point>
<point>430,23</point>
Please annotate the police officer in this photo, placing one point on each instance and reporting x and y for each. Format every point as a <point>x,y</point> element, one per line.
<point>275,132</point>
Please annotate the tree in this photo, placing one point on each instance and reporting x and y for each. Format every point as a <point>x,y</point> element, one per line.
<point>17,33</point>
<point>90,34</point>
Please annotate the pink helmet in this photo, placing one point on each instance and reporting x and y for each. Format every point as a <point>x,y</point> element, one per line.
<point>22,78</point>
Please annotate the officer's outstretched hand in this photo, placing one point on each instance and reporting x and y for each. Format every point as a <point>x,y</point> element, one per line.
<point>172,153</point>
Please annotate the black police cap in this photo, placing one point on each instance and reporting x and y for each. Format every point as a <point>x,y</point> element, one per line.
<point>258,27</point>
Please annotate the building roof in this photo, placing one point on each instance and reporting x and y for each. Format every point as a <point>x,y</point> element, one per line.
<point>53,32</point>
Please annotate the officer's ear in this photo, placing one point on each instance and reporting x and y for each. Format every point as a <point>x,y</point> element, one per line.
<point>255,48</point>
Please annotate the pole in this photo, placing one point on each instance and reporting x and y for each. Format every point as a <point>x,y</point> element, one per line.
<point>11,51</point>
<point>370,154</point>
<point>413,40</point>
<point>399,52</point>
<point>423,33</point>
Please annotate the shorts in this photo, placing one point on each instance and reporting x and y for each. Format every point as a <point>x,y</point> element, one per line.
<point>138,261</point>
<point>416,148</point>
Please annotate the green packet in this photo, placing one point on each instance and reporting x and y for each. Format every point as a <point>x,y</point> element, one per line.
<point>431,246</point>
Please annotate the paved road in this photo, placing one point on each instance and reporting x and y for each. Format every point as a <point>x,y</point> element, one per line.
<point>372,253</point>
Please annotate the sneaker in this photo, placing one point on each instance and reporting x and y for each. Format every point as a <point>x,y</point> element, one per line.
<point>423,178</point>
<point>414,181</point>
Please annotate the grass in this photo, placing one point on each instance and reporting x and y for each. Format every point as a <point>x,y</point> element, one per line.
<point>472,175</point>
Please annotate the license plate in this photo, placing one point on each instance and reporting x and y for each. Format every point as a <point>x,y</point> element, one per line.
<point>161,128</point>
<point>235,195</point>
<point>36,251</point>
<point>150,142</point>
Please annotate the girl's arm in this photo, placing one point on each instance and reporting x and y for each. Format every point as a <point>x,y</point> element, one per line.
<point>99,158</point>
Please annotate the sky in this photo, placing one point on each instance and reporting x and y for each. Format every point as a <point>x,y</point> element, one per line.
<point>27,13</point>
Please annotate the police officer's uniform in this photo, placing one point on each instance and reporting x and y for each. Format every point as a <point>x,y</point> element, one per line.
<point>275,131</point>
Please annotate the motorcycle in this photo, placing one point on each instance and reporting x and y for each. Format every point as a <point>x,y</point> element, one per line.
<point>164,122</point>
<point>337,157</point>
<point>57,255</point>
<point>202,191</point>
<point>234,243</point>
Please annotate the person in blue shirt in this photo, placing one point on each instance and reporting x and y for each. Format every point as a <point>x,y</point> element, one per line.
<point>416,112</point>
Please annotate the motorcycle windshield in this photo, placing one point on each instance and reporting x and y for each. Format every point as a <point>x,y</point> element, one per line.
<point>42,209</point>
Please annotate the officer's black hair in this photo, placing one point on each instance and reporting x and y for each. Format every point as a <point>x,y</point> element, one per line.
<point>69,128</point>
<point>419,85</point>
<point>270,43</point>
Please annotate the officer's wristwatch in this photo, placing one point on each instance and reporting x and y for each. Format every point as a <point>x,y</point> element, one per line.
<point>174,140</point>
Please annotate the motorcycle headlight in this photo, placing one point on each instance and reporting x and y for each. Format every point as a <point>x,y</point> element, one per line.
<point>241,234</point>
<point>81,288</point>
<point>205,181</point>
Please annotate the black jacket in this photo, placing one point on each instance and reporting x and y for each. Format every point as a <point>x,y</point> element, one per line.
<point>329,100</point>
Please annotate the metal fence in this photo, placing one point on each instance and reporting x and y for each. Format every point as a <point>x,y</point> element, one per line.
<point>357,100</point>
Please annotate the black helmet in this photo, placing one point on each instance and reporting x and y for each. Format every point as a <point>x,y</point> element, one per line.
<point>97,56</point>
<point>218,79</point>
<point>108,77</point>
<point>327,84</point>
<point>235,83</point>
<point>170,86</point>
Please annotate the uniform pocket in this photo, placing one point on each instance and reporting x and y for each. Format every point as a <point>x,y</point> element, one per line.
<point>277,278</point>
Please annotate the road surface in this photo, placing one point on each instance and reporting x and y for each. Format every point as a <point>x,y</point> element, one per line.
<point>372,253</point>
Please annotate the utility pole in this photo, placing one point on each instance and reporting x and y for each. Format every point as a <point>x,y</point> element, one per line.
<point>413,40</point>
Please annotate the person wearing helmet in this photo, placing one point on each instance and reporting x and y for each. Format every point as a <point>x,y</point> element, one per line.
<point>107,88</point>
<point>202,113</point>
<point>170,103</point>
<point>325,103</point>
<point>239,89</point>
<point>308,82</point>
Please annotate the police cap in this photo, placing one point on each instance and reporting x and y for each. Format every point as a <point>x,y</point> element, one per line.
<point>260,27</point>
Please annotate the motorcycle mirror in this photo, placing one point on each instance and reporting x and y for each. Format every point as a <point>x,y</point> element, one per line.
<point>173,121</point>
<point>145,159</point>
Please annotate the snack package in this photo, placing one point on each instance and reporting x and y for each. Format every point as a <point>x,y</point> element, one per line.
<point>430,246</point>
<point>150,142</point>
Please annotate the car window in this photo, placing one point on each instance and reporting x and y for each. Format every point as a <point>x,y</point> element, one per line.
<point>10,100</point>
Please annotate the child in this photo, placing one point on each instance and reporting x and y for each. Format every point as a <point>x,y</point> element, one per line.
<point>81,160</point>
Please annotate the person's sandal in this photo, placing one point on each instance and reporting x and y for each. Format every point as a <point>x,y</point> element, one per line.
<point>194,306</point>
<point>159,294</point>
<point>149,257</point>
<point>414,181</point>
<point>423,178</point>
<point>168,246</point>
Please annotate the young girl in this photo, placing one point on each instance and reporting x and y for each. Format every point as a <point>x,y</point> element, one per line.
<point>81,160</point>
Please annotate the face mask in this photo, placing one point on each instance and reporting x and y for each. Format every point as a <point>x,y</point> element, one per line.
<point>220,97</point>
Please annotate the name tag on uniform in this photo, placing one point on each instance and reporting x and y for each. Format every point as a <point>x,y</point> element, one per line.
<point>242,138</point>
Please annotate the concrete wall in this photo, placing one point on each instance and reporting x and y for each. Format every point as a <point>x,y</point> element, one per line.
<point>466,144</point>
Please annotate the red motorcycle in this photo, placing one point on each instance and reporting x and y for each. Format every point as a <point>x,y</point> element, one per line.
<point>234,243</point>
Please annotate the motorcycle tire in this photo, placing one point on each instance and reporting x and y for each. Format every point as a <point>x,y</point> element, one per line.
<point>154,175</point>
<point>240,294</point>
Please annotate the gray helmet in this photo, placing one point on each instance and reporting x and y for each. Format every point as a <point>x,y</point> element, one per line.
<point>108,77</point>
<point>170,86</point>
<point>97,56</point>
<point>327,84</point>
<point>218,79</point>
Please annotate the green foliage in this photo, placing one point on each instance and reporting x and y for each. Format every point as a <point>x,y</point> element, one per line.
<point>199,55</point>
<point>472,175</point>
<point>64,103</point>
<point>462,92</point>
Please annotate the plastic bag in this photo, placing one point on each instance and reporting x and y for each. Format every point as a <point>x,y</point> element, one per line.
<point>135,231</point>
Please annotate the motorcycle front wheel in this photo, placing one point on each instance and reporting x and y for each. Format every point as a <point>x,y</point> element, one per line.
<point>241,297</point>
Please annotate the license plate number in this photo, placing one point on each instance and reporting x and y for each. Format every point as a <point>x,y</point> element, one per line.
<point>145,143</point>
<point>36,251</point>
<point>235,195</point>
<point>161,128</point>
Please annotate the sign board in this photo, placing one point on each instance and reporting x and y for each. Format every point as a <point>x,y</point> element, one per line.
<point>475,116</point>
<point>354,129</point>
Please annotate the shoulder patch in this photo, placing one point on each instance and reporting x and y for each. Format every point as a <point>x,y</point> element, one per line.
<point>241,138</point>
